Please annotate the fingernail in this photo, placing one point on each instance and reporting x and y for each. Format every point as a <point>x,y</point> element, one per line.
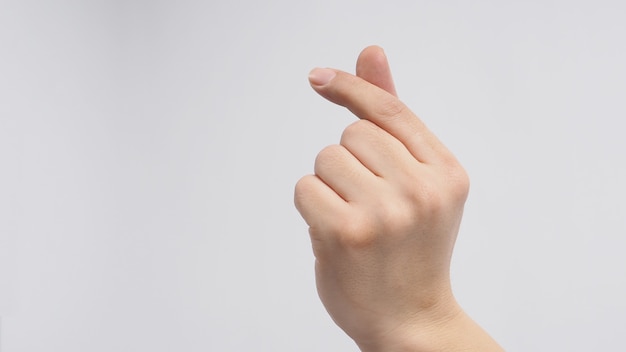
<point>321,76</point>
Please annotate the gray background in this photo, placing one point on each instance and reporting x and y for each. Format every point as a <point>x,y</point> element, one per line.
<point>149,151</point>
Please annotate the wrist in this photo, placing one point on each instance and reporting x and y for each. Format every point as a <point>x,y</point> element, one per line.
<point>446,328</point>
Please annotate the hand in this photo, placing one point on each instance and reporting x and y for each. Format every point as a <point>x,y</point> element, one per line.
<point>383,208</point>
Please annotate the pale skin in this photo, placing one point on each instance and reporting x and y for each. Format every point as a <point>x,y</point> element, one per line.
<point>383,209</point>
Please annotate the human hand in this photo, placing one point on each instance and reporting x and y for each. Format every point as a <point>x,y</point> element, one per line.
<point>383,208</point>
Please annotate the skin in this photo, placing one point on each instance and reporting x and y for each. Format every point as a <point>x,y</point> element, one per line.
<point>383,209</point>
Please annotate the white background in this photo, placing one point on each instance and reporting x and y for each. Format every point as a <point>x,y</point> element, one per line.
<point>149,151</point>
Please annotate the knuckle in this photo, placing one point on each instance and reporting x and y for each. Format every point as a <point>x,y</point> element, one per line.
<point>460,184</point>
<point>303,189</point>
<point>391,109</point>
<point>303,186</point>
<point>426,199</point>
<point>356,234</point>
<point>357,240</point>
<point>394,218</point>
<point>436,197</point>
<point>435,200</point>
<point>357,130</point>
<point>448,159</point>
<point>328,156</point>
<point>456,181</point>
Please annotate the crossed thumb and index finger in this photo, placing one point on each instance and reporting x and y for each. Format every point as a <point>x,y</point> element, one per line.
<point>367,100</point>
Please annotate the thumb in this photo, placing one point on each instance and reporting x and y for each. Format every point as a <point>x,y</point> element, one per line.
<point>372,66</point>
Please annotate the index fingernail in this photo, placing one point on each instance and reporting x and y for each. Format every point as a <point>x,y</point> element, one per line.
<point>321,76</point>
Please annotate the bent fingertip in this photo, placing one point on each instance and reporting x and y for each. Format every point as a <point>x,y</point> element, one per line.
<point>321,76</point>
